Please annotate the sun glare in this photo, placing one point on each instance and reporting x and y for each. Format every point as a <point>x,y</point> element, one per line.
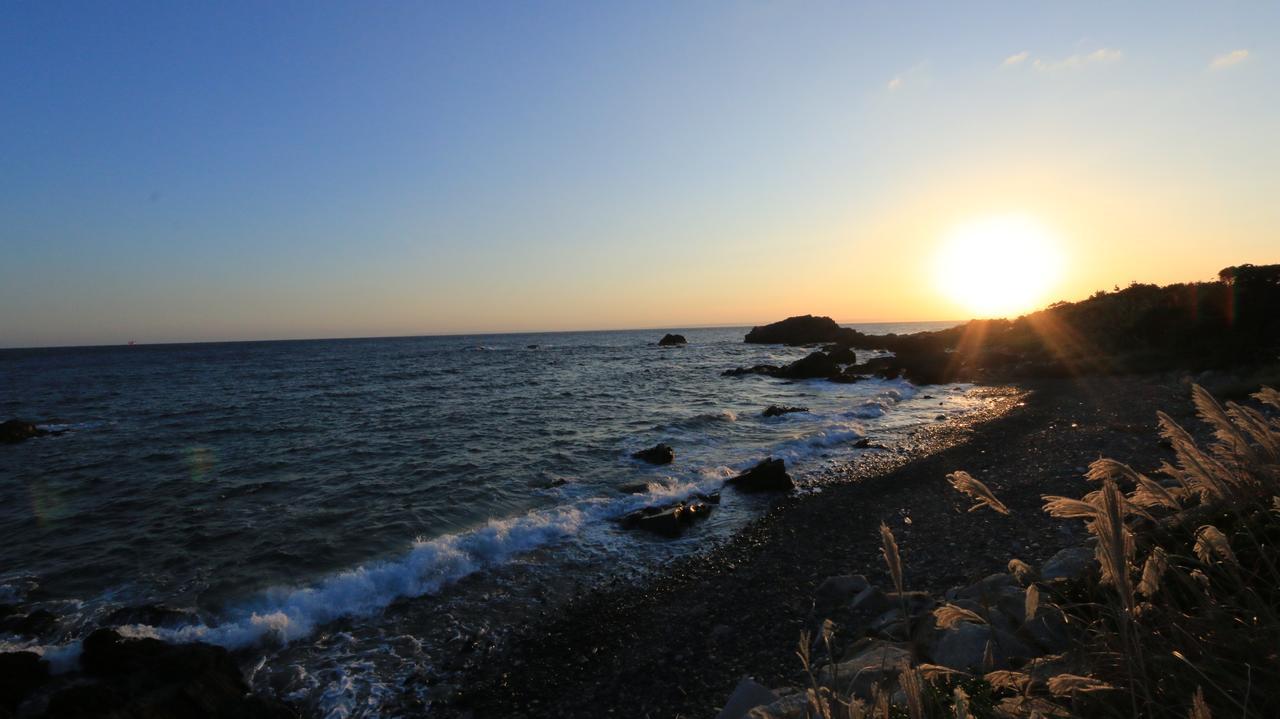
<point>999,266</point>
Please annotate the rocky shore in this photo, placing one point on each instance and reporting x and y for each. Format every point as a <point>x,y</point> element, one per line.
<point>678,644</point>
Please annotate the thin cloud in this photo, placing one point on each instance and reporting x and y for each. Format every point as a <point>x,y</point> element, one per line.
<point>1018,59</point>
<point>1102,56</point>
<point>916,76</point>
<point>1230,59</point>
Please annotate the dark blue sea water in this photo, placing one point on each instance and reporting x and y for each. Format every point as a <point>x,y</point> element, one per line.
<point>348,511</point>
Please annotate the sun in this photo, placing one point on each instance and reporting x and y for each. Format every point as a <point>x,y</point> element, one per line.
<point>999,266</point>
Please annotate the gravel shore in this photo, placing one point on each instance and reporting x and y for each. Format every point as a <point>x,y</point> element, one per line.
<point>675,644</point>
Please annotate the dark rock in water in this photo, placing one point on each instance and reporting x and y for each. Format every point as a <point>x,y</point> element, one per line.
<point>768,476</point>
<point>657,454</point>
<point>775,410</point>
<point>21,673</point>
<point>633,487</point>
<point>15,430</point>
<point>670,340</point>
<point>531,347</point>
<point>923,368</point>
<point>148,677</point>
<point>548,482</point>
<point>848,376</point>
<point>34,624</point>
<point>672,520</point>
<point>767,370</point>
<point>816,364</point>
<point>801,330</point>
<point>152,615</point>
<point>841,355</point>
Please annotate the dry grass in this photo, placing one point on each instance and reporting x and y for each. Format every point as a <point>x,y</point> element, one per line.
<point>1185,618</point>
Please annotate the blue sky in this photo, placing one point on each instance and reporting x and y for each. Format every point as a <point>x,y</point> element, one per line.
<point>187,171</point>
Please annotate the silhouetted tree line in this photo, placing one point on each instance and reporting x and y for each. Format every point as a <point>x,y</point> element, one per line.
<point>1232,322</point>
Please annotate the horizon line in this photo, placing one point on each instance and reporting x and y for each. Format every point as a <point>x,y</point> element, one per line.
<point>664,328</point>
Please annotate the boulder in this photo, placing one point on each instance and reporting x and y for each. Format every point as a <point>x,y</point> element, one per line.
<point>1070,563</point>
<point>776,410</point>
<point>672,520</point>
<point>657,454</point>
<point>837,591</point>
<point>768,476</point>
<point>816,364</point>
<point>965,647</point>
<point>841,355</point>
<point>805,329</point>
<point>15,430</point>
<point>21,673</point>
<point>148,677</point>
<point>748,695</point>
<point>872,662</point>
<point>670,340</point>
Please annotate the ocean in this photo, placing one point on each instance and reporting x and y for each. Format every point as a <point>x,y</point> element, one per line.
<point>359,518</point>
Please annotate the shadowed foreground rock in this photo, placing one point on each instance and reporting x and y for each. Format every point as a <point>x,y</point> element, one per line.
<point>135,678</point>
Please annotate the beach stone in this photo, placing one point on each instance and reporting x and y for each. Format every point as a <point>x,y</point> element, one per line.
<point>768,476</point>
<point>791,706</point>
<point>13,431</point>
<point>657,454</point>
<point>869,601</point>
<point>21,673</point>
<point>670,340</point>
<point>776,410</point>
<point>838,590</point>
<point>1070,563</point>
<point>873,662</point>
<point>964,647</point>
<point>1047,630</point>
<point>748,695</point>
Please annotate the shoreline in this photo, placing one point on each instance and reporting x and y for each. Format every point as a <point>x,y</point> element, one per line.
<point>675,643</point>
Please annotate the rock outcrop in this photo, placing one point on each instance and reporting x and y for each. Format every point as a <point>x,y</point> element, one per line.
<point>802,330</point>
<point>768,476</point>
<point>670,340</point>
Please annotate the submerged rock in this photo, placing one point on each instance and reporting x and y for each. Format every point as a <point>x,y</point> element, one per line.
<point>152,615</point>
<point>670,340</point>
<point>767,370</point>
<point>15,430</point>
<point>33,624</point>
<point>657,454</point>
<point>776,410</point>
<point>768,476</point>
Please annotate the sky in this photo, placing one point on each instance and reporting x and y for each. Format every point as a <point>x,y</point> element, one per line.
<point>180,171</point>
